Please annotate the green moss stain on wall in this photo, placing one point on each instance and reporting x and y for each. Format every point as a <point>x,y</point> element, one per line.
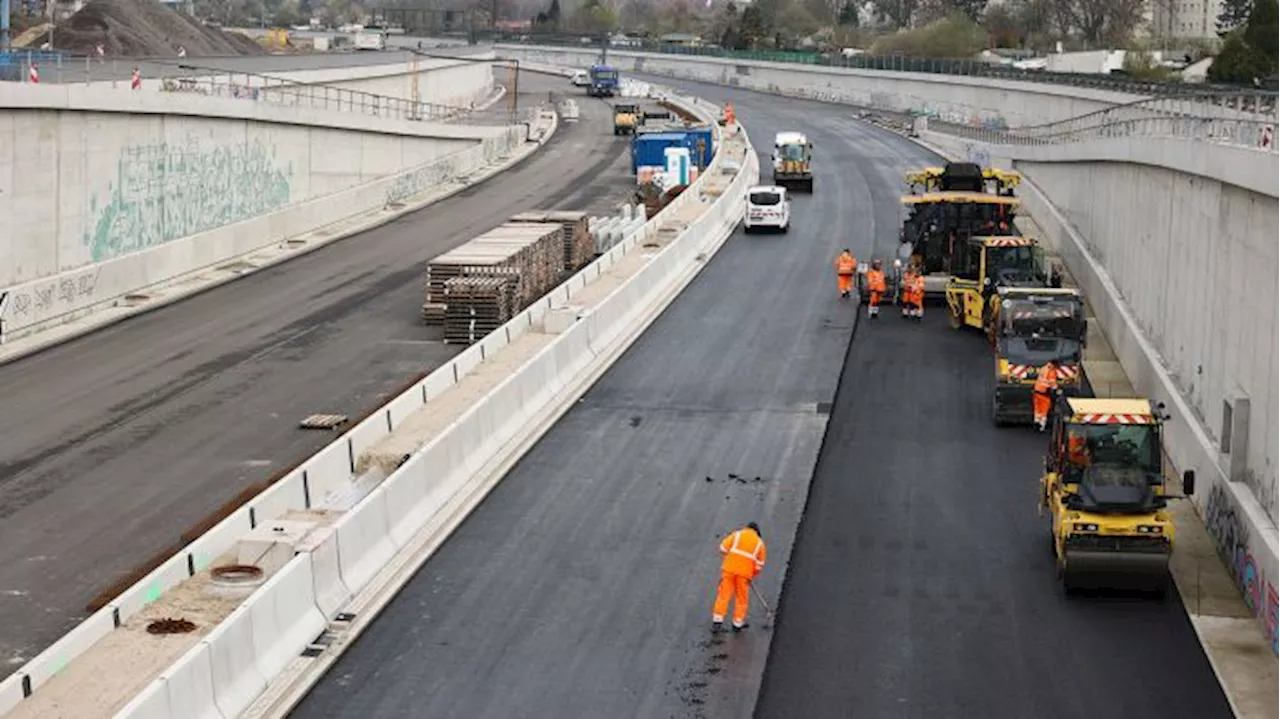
<point>165,191</point>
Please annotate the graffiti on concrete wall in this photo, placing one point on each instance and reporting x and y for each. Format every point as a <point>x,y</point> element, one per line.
<point>977,155</point>
<point>1231,533</point>
<point>960,115</point>
<point>50,297</point>
<point>164,191</point>
<point>421,180</point>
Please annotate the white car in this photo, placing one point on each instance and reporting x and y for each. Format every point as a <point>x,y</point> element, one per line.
<point>767,207</point>
<point>580,79</point>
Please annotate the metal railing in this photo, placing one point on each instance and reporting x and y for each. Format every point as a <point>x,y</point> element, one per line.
<point>1236,119</point>
<point>965,67</point>
<point>168,75</point>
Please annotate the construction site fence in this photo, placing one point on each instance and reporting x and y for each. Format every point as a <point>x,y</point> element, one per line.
<point>941,66</point>
<point>169,75</point>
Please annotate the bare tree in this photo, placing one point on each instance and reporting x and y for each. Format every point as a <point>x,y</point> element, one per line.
<point>1099,21</point>
<point>896,12</point>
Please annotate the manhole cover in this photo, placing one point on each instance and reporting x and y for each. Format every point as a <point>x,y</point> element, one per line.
<point>171,626</point>
<point>323,421</point>
<point>236,574</point>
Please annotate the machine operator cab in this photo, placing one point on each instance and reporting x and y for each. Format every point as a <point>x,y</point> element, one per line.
<point>1105,489</point>
<point>984,265</point>
<point>768,207</point>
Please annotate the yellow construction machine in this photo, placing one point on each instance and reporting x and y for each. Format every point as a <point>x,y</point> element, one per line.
<point>1105,490</point>
<point>988,180</point>
<point>625,119</point>
<point>1030,328</point>
<point>980,266</point>
<point>957,202</point>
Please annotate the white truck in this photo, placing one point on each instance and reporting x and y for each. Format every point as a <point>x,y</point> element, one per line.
<point>368,39</point>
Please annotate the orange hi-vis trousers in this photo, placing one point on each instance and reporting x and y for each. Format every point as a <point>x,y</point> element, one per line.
<point>739,589</point>
<point>846,283</point>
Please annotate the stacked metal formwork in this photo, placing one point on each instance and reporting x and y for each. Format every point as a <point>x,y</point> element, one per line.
<point>579,247</point>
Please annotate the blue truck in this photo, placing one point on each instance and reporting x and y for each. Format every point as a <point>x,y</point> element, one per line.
<point>604,81</point>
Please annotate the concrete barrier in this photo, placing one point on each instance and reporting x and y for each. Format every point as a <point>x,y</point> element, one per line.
<point>285,615</point>
<point>322,579</point>
<point>236,678</point>
<point>188,685</point>
<point>364,540</point>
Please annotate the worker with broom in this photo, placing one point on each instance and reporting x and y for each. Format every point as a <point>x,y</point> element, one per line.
<point>744,558</point>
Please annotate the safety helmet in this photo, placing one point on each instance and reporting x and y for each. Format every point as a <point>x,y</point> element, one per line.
<point>875,264</point>
<point>897,264</point>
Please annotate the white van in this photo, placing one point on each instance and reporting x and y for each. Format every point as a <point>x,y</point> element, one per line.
<point>767,206</point>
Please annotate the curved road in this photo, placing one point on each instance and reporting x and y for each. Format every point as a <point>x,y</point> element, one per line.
<point>581,587</point>
<point>919,585</point>
<point>114,444</point>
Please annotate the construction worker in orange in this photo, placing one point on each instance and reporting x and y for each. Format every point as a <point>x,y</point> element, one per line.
<point>744,557</point>
<point>1077,448</point>
<point>1042,393</point>
<point>846,266</point>
<point>875,289</point>
<point>913,293</point>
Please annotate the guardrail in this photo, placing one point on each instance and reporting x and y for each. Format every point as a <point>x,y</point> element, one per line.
<point>168,75</point>
<point>1242,120</point>
<point>891,63</point>
<point>285,614</point>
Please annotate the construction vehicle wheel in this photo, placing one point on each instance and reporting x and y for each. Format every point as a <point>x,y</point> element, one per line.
<point>997,418</point>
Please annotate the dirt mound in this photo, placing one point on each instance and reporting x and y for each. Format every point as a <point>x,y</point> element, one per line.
<point>144,28</point>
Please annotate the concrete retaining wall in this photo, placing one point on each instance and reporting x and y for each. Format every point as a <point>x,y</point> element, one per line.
<point>1180,270</point>
<point>105,192</point>
<point>957,99</point>
<point>457,83</point>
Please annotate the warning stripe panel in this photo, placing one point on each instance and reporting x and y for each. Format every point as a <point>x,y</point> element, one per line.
<point>1010,242</point>
<point>1094,418</point>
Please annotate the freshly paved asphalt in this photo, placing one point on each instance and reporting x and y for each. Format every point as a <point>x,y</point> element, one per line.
<point>582,586</point>
<point>920,584</point>
<point>114,444</point>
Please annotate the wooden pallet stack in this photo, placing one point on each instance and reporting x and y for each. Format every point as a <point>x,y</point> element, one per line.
<point>476,306</point>
<point>524,258</point>
<point>579,248</point>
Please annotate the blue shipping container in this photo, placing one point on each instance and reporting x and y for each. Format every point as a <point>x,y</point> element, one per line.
<point>649,150</point>
<point>702,134</point>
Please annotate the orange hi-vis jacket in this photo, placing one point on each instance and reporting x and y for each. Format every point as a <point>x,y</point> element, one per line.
<point>846,265</point>
<point>744,553</point>
<point>1047,380</point>
<point>875,280</point>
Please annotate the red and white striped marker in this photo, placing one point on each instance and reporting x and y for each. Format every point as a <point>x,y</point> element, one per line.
<point>136,82</point>
<point>33,75</point>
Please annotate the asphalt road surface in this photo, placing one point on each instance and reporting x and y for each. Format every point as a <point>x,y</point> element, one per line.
<point>922,583</point>
<point>114,444</point>
<point>582,586</point>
